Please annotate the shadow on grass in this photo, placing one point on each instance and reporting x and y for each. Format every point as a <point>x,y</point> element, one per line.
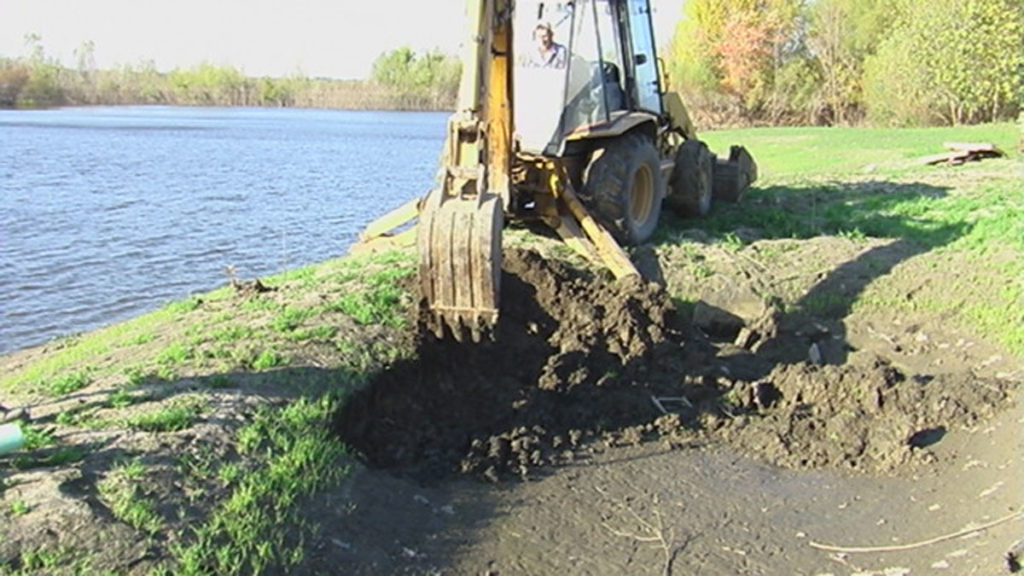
<point>905,214</point>
<point>191,473</point>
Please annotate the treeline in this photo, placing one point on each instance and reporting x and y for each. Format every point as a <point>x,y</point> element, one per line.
<point>401,80</point>
<point>887,62</point>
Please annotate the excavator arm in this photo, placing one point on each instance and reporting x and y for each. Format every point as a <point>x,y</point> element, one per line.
<point>461,219</point>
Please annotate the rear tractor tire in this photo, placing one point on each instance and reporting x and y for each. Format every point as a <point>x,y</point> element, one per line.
<point>625,189</point>
<point>692,179</point>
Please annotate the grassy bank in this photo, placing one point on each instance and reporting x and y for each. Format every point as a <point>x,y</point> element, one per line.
<point>869,183</point>
<point>260,367</point>
<point>201,431</point>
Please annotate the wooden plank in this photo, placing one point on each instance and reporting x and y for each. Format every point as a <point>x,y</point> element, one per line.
<point>958,157</point>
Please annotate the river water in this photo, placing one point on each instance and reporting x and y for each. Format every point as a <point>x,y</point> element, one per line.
<point>107,213</point>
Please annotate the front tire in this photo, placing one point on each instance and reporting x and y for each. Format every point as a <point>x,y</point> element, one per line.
<point>625,188</point>
<point>692,179</point>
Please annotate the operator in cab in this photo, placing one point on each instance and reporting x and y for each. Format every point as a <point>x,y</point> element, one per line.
<point>549,54</point>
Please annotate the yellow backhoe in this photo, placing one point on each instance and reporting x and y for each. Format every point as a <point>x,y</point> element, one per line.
<point>562,117</point>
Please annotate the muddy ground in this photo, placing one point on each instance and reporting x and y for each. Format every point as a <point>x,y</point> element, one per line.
<point>605,416</point>
<point>733,414</point>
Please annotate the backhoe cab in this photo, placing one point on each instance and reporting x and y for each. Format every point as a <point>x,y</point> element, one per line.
<point>562,117</point>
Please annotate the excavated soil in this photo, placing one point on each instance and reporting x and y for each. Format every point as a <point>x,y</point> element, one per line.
<point>570,361</point>
<point>581,363</point>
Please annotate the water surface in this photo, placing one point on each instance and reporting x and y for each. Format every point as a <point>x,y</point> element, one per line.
<point>106,213</point>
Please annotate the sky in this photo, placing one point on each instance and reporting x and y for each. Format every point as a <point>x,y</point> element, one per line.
<point>329,38</point>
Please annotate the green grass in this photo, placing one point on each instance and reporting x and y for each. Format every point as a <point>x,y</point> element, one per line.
<point>233,333</point>
<point>291,318</point>
<point>122,493</point>
<point>123,398</point>
<point>268,359</point>
<point>178,415</point>
<point>19,507</point>
<point>318,333</point>
<point>45,451</point>
<point>824,151</point>
<point>379,302</point>
<point>68,383</point>
<point>815,182</point>
<point>37,437</point>
<point>79,354</point>
<point>257,526</point>
<point>862,184</point>
<point>177,354</point>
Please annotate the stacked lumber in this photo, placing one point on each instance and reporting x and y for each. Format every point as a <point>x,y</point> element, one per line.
<point>960,152</point>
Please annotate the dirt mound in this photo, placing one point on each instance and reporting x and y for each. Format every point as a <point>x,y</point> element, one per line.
<point>581,362</point>
<point>871,417</point>
<point>562,367</point>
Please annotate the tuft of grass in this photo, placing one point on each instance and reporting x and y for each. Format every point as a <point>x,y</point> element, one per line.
<point>379,302</point>
<point>229,473</point>
<point>68,383</point>
<point>123,398</point>
<point>121,491</point>
<point>135,375</point>
<point>185,306</point>
<point>60,456</point>
<point>36,437</point>
<point>19,507</point>
<point>172,418</point>
<point>268,359</point>
<point>732,242</point>
<point>140,339</point>
<point>261,305</point>
<point>81,415</point>
<point>176,354</point>
<point>317,333</point>
<point>42,560</point>
<point>290,318</point>
<point>232,333</point>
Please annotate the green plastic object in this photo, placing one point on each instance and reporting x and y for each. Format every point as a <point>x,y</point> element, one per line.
<point>11,438</point>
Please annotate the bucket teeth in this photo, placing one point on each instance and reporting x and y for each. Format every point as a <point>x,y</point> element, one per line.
<point>460,263</point>
<point>474,326</point>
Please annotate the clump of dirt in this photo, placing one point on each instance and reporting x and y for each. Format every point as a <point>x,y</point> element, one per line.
<point>580,361</point>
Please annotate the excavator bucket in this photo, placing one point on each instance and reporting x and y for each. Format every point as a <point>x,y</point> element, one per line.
<point>459,242</point>
<point>733,175</point>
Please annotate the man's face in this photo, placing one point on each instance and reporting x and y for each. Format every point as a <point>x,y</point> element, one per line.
<point>543,36</point>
